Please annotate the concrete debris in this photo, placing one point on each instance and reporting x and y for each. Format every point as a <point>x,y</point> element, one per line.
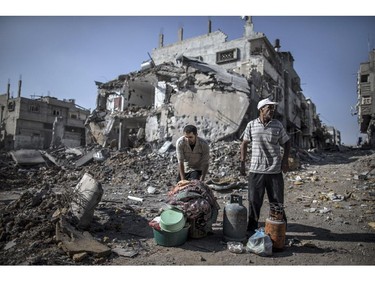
<point>74,150</point>
<point>36,218</point>
<point>163,99</point>
<point>85,158</point>
<point>10,245</point>
<point>85,197</point>
<point>151,190</point>
<point>58,130</point>
<point>125,252</point>
<point>101,155</point>
<point>74,242</point>
<point>27,157</point>
<point>49,157</point>
<point>135,198</point>
<point>165,147</point>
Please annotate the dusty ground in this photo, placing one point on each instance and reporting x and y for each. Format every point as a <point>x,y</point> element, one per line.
<point>329,203</point>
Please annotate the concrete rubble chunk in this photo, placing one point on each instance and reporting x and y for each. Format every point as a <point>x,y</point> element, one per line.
<point>165,147</point>
<point>85,197</point>
<point>125,252</point>
<point>10,245</point>
<point>101,155</point>
<point>74,242</point>
<point>85,158</point>
<point>27,157</point>
<point>49,157</point>
<point>75,151</point>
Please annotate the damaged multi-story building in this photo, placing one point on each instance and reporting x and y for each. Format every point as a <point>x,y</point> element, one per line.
<point>40,122</point>
<point>365,98</point>
<point>207,81</point>
<point>333,139</point>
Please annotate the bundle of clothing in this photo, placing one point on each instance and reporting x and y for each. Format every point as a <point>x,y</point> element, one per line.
<point>198,203</point>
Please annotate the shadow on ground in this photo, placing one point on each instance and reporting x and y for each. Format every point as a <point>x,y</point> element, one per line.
<point>305,239</point>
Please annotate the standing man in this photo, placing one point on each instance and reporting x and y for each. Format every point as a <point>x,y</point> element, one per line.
<point>192,155</point>
<point>266,136</point>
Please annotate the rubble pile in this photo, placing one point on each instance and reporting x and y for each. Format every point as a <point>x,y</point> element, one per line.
<point>33,230</point>
<point>27,224</point>
<point>27,230</point>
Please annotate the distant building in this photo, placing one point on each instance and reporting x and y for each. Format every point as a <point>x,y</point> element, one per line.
<point>40,123</point>
<point>310,123</point>
<point>334,137</point>
<point>365,98</point>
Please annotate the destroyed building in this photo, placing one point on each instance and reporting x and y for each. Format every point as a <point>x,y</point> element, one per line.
<point>365,96</point>
<point>40,122</point>
<point>207,81</point>
<point>334,137</point>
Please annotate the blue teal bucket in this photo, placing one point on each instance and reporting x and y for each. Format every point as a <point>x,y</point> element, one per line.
<point>171,239</point>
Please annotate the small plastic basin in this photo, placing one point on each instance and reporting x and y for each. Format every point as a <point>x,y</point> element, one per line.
<point>171,239</point>
<point>172,220</point>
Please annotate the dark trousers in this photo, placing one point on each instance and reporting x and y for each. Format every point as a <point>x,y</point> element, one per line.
<point>258,184</point>
<point>193,175</point>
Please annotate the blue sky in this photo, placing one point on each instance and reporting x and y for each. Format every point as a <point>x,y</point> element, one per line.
<point>62,56</point>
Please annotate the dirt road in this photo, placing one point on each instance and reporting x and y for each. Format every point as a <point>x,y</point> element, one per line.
<point>329,202</point>
<point>331,219</point>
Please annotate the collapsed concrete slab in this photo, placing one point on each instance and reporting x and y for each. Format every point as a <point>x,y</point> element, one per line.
<point>163,99</point>
<point>75,242</point>
<point>27,157</point>
<point>85,158</point>
<point>215,101</point>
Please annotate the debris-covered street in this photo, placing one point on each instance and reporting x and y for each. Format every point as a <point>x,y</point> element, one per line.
<point>329,203</point>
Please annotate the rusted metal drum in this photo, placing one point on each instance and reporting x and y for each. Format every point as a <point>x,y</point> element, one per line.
<point>276,229</point>
<point>275,226</point>
<point>235,220</point>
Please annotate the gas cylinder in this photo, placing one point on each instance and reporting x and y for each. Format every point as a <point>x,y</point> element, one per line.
<point>235,220</point>
<point>275,226</point>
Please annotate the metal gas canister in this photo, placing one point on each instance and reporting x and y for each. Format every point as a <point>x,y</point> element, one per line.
<point>275,226</point>
<point>235,220</point>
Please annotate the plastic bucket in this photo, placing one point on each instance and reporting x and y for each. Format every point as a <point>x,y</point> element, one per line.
<point>172,220</point>
<point>171,239</point>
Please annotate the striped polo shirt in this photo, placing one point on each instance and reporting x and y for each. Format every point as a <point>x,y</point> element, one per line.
<point>266,141</point>
<point>194,159</point>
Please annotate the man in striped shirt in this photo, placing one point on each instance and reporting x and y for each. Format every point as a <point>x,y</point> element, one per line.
<point>267,136</point>
<point>192,155</point>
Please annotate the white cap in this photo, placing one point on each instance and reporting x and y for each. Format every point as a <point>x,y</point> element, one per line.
<point>265,102</point>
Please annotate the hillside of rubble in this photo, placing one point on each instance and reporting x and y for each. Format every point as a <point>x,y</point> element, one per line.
<point>329,201</point>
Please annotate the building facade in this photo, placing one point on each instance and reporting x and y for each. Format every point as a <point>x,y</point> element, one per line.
<point>365,98</point>
<point>211,82</point>
<point>40,123</point>
<point>270,72</point>
<point>334,137</point>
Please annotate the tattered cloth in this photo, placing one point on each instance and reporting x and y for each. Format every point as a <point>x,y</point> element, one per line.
<point>197,201</point>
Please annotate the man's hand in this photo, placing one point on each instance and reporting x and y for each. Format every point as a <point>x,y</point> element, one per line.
<point>242,168</point>
<point>285,165</point>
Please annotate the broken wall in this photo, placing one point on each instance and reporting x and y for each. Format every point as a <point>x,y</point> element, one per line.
<point>216,114</point>
<point>140,92</point>
<point>169,97</point>
<point>204,45</point>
